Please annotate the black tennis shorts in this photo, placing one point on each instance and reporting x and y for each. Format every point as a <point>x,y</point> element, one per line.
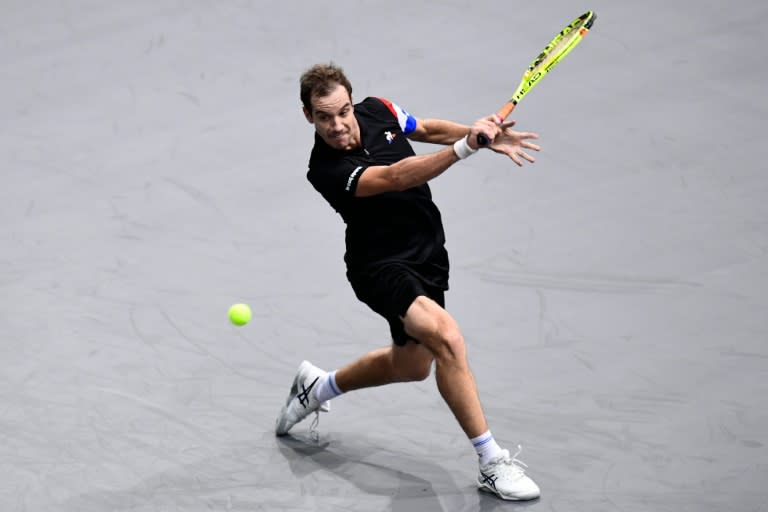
<point>390,291</point>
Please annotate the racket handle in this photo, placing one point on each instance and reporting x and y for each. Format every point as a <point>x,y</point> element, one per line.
<point>482,140</point>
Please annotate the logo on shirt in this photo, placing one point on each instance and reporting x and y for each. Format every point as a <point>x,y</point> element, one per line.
<point>352,178</point>
<point>390,136</point>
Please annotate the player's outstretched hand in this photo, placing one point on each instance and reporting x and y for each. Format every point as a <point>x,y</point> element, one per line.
<point>514,144</point>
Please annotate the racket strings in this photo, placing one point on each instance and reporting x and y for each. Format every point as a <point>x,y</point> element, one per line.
<point>558,48</point>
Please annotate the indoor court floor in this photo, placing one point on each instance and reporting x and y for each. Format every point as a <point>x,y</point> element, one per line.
<point>613,295</point>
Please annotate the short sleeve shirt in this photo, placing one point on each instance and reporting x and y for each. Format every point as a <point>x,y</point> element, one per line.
<point>400,227</point>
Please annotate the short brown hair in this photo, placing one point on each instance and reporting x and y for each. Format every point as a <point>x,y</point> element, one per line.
<point>320,80</point>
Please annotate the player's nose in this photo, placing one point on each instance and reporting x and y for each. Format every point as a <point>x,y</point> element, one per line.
<point>337,124</point>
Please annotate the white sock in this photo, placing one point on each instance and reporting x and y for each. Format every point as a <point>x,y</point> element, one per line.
<point>486,447</point>
<point>327,388</point>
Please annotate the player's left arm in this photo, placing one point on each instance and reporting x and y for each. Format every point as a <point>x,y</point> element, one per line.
<point>510,142</point>
<point>438,131</point>
<point>434,131</point>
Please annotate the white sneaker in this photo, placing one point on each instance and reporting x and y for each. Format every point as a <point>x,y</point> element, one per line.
<point>301,401</point>
<point>505,477</point>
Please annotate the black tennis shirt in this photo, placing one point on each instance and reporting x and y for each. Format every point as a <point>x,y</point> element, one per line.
<point>401,228</point>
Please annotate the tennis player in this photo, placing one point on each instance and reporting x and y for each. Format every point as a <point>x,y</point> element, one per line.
<point>364,166</point>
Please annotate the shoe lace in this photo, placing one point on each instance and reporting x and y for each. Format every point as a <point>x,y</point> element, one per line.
<point>513,465</point>
<point>517,461</point>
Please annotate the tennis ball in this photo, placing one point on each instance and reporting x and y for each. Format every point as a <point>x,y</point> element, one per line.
<point>239,314</point>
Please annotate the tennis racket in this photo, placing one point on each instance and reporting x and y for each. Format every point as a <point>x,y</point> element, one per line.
<point>553,53</point>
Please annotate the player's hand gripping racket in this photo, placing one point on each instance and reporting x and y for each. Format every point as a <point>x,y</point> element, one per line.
<point>553,53</point>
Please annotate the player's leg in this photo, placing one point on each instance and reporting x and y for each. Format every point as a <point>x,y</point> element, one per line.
<point>312,387</point>
<point>499,473</point>
<point>436,329</point>
<point>389,292</point>
<point>411,362</point>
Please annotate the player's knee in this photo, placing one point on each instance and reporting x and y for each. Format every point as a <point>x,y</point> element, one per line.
<point>448,344</point>
<point>440,333</point>
<point>454,343</point>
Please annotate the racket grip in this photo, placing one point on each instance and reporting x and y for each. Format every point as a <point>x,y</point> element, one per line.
<point>482,139</point>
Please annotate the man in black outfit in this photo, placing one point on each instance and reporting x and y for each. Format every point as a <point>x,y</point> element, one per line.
<point>364,166</point>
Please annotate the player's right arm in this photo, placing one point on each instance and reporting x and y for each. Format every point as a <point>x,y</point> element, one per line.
<point>419,169</point>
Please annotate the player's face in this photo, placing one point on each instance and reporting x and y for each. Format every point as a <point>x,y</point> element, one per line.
<point>334,119</point>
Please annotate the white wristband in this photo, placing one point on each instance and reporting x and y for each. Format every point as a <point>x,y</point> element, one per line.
<point>462,149</point>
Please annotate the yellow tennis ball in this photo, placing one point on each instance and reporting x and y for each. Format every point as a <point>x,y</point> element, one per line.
<point>239,314</point>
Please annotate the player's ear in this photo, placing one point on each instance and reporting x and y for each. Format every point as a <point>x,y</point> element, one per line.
<point>308,115</point>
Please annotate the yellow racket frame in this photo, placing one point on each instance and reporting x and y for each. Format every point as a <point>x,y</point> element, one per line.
<point>554,52</point>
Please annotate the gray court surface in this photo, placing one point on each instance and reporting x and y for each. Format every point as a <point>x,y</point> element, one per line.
<point>613,295</point>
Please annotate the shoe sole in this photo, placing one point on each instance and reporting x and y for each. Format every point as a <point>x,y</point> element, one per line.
<point>487,489</point>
